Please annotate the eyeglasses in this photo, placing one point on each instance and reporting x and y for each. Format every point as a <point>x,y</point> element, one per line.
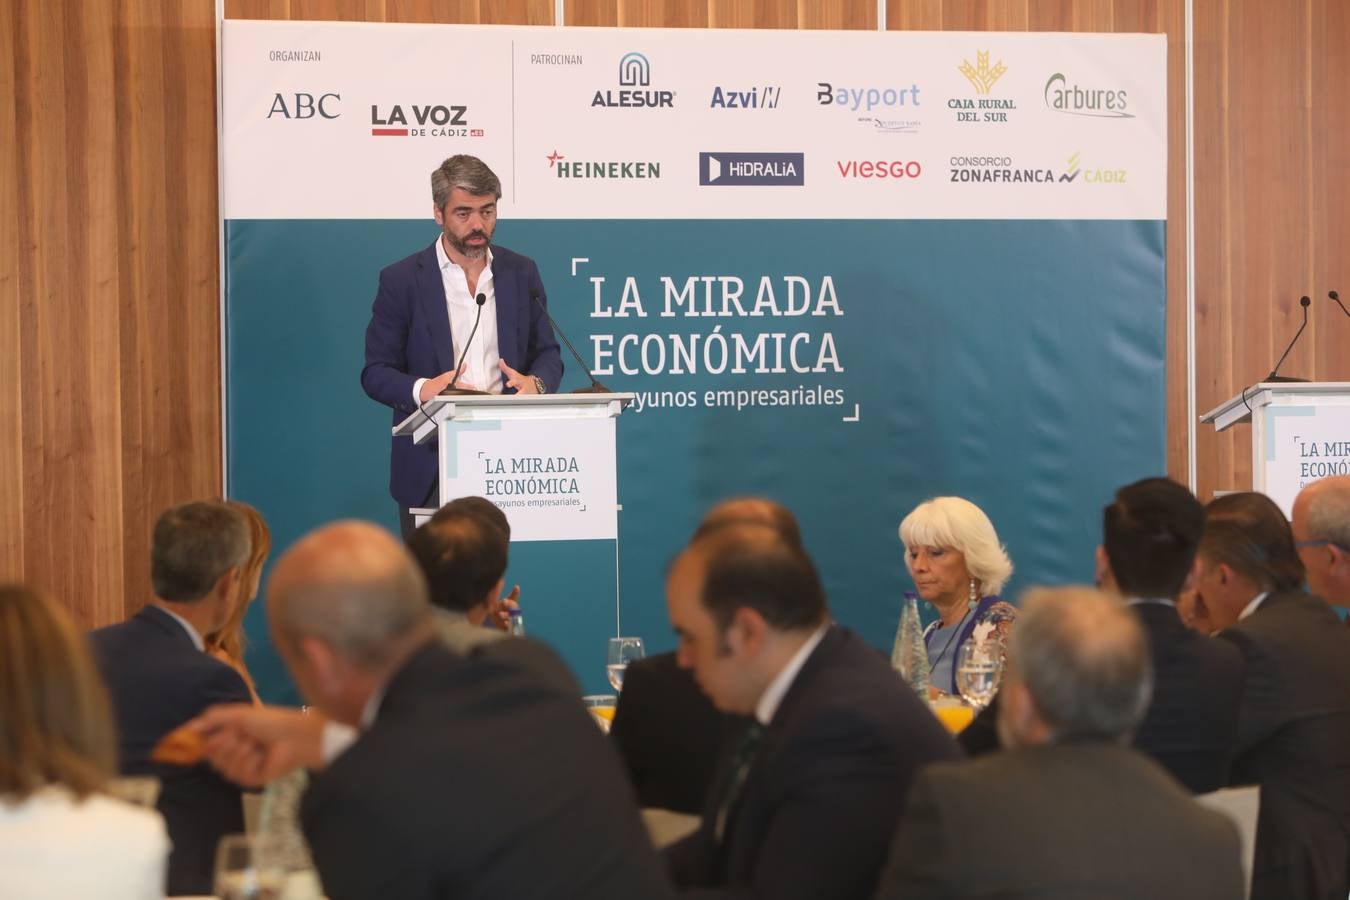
<point>1303,545</point>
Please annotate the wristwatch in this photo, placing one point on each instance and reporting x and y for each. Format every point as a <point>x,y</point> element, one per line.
<point>539,385</point>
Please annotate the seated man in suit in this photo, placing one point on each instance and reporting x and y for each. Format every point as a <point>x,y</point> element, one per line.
<point>667,730</point>
<point>1068,810</point>
<point>1322,533</point>
<point>1294,729</point>
<point>159,676</point>
<point>1147,557</point>
<point>462,554</point>
<point>808,799</point>
<point>472,777</point>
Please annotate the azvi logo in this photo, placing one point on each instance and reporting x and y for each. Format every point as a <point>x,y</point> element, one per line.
<point>635,78</point>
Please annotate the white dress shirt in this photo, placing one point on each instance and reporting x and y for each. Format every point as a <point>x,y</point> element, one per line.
<point>480,368</point>
<point>52,846</point>
<point>1253,606</point>
<point>773,695</point>
<point>187,626</point>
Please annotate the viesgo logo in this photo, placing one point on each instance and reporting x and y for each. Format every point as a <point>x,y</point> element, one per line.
<point>878,168</point>
<point>301,105</point>
<point>418,120</point>
<point>635,74</point>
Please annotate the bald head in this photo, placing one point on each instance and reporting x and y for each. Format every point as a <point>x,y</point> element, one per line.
<point>1322,529</point>
<point>353,586</point>
<point>752,511</point>
<point>1083,661</point>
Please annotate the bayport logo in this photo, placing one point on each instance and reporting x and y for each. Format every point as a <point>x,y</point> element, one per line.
<point>751,169</point>
<point>635,92</point>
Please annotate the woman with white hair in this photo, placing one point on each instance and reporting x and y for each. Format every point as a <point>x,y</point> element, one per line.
<point>959,566</point>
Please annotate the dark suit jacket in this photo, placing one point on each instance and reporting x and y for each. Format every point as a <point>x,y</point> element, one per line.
<point>823,793</point>
<point>478,779</point>
<point>1294,741</point>
<point>409,338</point>
<point>669,734</point>
<point>1191,724</point>
<point>158,679</point>
<point>1073,821</point>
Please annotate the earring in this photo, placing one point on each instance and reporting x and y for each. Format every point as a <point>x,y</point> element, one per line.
<point>974,600</point>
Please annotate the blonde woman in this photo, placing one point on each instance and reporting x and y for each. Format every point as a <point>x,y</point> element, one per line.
<point>60,834</point>
<point>228,643</point>
<point>959,566</point>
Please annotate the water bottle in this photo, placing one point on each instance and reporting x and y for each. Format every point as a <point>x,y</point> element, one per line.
<point>909,657</point>
<point>517,625</point>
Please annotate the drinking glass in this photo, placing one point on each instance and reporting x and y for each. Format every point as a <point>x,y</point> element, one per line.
<point>601,707</point>
<point>248,869</point>
<point>622,651</point>
<point>979,668</point>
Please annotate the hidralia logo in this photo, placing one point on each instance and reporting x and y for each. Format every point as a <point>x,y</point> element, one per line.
<point>431,121</point>
<point>626,169</point>
<point>759,97</point>
<point>983,77</point>
<point>1077,101</point>
<point>305,106</point>
<point>742,169</point>
<point>634,72</point>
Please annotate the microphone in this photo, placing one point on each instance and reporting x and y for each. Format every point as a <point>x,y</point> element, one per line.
<point>450,390</point>
<point>594,387</point>
<point>1337,297</point>
<point>1273,377</point>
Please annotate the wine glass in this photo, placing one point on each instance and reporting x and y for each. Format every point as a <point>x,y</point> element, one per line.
<point>247,868</point>
<point>979,668</point>
<point>622,651</point>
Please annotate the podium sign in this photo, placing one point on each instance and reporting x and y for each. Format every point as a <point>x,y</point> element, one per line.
<point>1300,433</point>
<point>548,462</point>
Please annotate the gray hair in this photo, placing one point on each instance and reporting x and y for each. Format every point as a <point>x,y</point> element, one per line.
<point>468,173</point>
<point>193,545</point>
<point>957,523</point>
<point>1329,511</point>
<point>1084,660</point>
<point>352,586</point>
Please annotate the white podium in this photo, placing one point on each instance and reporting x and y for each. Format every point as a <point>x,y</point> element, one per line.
<point>1300,433</point>
<point>549,461</point>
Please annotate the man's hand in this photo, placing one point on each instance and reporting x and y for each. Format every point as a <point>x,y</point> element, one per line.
<point>433,386</point>
<point>499,611</point>
<point>252,745</point>
<point>524,384</point>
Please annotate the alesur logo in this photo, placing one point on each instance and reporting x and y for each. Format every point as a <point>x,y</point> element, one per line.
<point>421,120</point>
<point>635,78</point>
<point>983,75</point>
<point>751,169</point>
<point>301,105</point>
<point>1073,100</point>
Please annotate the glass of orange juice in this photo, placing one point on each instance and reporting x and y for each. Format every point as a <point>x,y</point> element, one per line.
<point>955,714</point>
<point>601,706</point>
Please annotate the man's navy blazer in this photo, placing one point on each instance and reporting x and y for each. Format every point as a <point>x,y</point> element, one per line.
<point>820,802</point>
<point>409,338</point>
<point>158,679</point>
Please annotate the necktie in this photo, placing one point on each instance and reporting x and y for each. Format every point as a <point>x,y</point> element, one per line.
<point>740,769</point>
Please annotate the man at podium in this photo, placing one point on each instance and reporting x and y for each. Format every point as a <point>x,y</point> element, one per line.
<point>461,311</point>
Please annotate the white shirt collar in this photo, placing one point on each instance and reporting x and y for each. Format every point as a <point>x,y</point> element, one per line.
<point>1150,601</point>
<point>773,695</point>
<point>187,626</point>
<point>443,259</point>
<point>1253,606</point>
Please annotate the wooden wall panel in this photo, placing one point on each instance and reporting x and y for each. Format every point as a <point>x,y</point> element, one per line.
<point>109,332</point>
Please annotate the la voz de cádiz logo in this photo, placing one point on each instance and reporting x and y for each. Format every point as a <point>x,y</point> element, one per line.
<point>421,120</point>
<point>635,91</point>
